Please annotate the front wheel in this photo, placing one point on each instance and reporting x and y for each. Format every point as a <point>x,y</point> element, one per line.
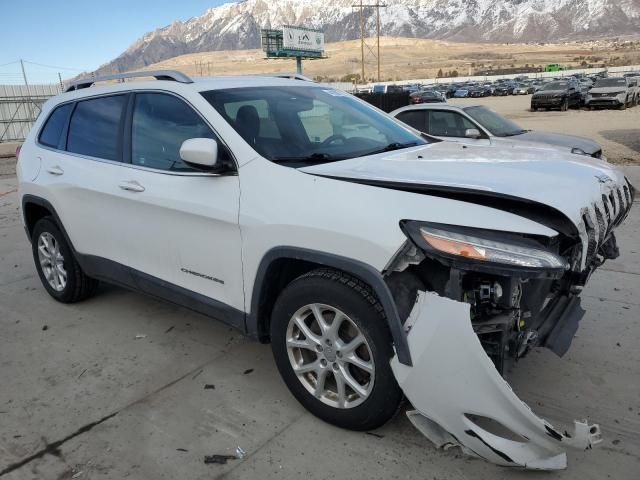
<point>332,346</point>
<point>565,105</point>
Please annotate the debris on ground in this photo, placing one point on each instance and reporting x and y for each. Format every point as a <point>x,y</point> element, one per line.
<point>219,459</point>
<point>248,371</point>
<point>140,336</point>
<point>240,453</point>
<point>209,386</point>
<point>182,450</point>
<point>45,327</point>
<point>374,434</point>
<point>170,328</point>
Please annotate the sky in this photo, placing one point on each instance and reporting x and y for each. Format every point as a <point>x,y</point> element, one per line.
<point>75,36</point>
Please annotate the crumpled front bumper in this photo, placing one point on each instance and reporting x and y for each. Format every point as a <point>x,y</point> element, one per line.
<point>461,399</point>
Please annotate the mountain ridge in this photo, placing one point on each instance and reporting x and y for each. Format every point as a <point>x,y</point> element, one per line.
<point>237,25</point>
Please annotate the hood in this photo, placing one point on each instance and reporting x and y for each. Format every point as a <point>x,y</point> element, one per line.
<point>549,92</point>
<point>571,184</point>
<point>560,140</point>
<point>616,89</point>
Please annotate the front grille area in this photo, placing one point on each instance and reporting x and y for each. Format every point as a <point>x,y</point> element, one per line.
<point>601,219</point>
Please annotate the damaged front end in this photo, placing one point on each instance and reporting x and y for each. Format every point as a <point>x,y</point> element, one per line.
<point>461,400</point>
<point>476,301</point>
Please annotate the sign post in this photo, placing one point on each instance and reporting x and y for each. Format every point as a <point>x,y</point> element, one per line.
<point>293,42</point>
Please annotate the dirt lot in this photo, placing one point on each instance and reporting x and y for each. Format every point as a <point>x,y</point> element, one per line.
<point>618,131</point>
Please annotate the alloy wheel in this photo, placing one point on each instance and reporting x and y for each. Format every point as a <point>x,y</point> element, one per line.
<point>52,261</point>
<point>330,356</point>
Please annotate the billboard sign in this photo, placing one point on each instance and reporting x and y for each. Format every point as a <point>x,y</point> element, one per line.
<point>302,39</point>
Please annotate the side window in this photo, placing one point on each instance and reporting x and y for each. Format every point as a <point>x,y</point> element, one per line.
<point>160,124</point>
<point>94,129</point>
<point>444,123</point>
<point>52,132</point>
<point>414,118</point>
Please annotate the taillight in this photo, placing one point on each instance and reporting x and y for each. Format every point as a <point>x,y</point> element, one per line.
<point>18,151</point>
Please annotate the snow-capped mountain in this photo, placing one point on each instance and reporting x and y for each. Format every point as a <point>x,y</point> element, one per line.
<point>237,25</point>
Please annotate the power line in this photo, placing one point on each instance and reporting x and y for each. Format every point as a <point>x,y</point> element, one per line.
<point>9,63</point>
<point>54,66</point>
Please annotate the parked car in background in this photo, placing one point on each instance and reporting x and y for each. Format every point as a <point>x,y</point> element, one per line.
<point>560,94</point>
<point>617,92</point>
<point>461,93</point>
<point>478,125</point>
<point>478,91</point>
<point>427,96</point>
<point>503,89</point>
<point>523,89</point>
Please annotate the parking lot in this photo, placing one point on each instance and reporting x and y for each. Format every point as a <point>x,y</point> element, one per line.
<point>124,386</point>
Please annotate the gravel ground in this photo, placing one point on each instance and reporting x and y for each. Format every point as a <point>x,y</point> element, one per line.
<point>618,131</point>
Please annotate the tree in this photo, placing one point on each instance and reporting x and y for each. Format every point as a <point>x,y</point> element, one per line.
<point>440,73</point>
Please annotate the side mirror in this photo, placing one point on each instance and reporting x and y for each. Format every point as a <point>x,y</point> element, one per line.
<point>200,152</point>
<point>472,133</point>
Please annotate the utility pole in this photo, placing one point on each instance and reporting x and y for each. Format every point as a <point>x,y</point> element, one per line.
<point>362,41</point>
<point>61,84</point>
<point>26,84</point>
<point>361,6</point>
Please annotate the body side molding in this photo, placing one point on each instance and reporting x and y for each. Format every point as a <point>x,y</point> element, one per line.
<point>356,268</point>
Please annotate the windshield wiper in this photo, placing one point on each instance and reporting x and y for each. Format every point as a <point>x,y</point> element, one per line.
<point>393,146</point>
<point>517,132</point>
<point>313,158</point>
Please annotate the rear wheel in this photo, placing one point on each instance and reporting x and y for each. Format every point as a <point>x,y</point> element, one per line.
<point>332,347</point>
<point>57,268</point>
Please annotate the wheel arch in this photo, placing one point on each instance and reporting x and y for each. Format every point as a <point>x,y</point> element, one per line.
<point>35,208</point>
<point>281,265</point>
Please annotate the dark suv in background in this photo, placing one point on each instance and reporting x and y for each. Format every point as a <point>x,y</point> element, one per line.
<point>560,94</point>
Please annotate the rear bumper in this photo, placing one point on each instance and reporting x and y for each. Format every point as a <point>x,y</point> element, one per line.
<point>461,400</point>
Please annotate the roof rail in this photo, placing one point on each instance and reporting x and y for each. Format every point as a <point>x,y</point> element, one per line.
<point>172,75</point>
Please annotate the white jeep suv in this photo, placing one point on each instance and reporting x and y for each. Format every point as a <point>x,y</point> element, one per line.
<point>376,261</point>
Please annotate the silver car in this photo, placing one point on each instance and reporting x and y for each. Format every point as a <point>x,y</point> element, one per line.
<point>478,125</point>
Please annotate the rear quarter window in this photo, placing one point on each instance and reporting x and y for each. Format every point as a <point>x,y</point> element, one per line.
<point>51,134</point>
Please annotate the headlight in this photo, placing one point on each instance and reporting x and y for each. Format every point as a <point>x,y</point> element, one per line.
<point>578,151</point>
<point>458,243</point>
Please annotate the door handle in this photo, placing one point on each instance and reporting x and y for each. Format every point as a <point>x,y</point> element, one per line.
<point>55,170</point>
<point>131,186</point>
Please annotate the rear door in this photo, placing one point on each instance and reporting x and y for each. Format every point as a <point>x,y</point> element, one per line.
<point>80,170</point>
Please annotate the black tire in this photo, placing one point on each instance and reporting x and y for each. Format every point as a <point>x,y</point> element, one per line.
<point>565,105</point>
<point>534,109</point>
<point>354,298</point>
<point>623,106</point>
<point>78,285</point>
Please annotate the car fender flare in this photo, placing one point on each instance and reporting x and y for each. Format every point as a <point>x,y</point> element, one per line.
<point>358,269</point>
<point>45,204</point>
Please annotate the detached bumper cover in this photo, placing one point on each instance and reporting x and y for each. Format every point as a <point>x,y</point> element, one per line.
<point>461,399</point>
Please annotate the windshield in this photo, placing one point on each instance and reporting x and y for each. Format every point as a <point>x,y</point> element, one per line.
<point>556,86</point>
<point>305,124</point>
<point>611,82</point>
<point>496,124</point>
